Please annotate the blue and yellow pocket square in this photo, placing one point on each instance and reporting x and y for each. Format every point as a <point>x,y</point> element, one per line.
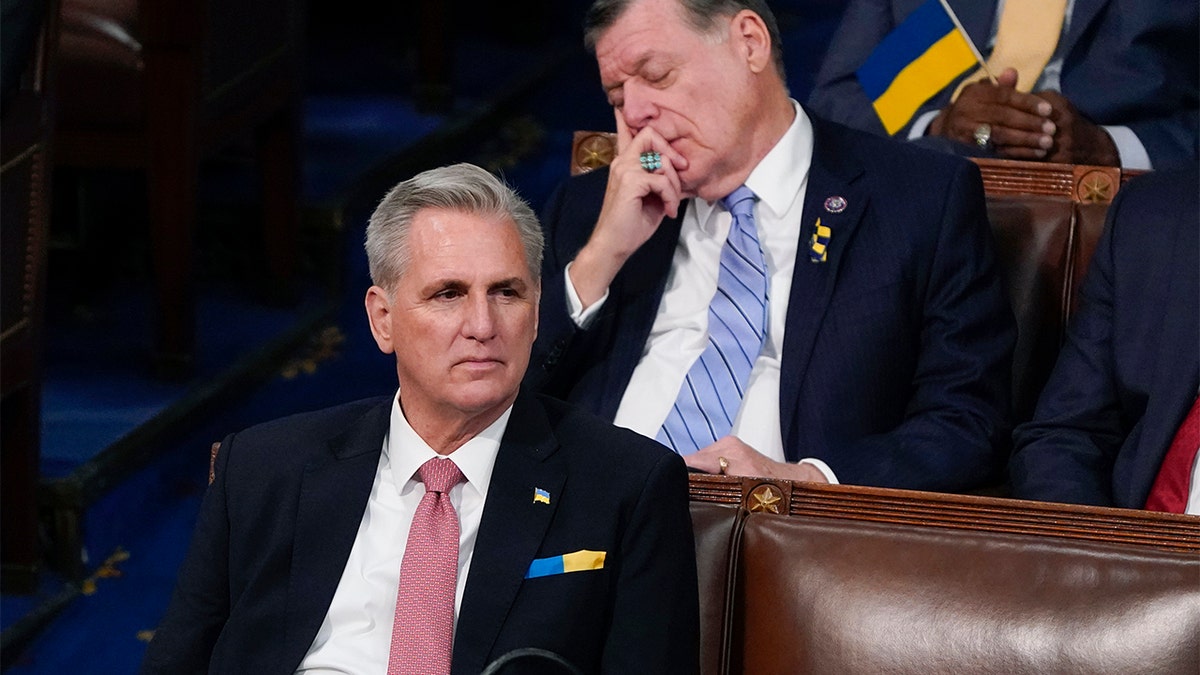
<point>579,561</point>
<point>818,244</point>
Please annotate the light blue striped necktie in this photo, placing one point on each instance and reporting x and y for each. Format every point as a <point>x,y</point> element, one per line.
<point>712,392</point>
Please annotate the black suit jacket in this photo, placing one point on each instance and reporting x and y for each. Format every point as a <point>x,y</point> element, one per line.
<point>897,351</point>
<point>1130,367</point>
<point>277,525</point>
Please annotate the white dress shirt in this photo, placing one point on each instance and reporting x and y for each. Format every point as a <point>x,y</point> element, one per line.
<point>1192,508</point>
<point>355,636</point>
<point>680,330</point>
<point>1130,149</point>
<point>1193,502</point>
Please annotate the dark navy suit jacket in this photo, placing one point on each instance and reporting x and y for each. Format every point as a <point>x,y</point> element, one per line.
<point>1127,62</point>
<point>277,525</point>
<point>897,351</point>
<point>1130,367</point>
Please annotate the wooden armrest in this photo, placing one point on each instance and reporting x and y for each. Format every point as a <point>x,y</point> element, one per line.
<point>1166,531</point>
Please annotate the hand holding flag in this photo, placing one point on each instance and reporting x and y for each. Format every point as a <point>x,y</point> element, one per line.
<point>916,61</point>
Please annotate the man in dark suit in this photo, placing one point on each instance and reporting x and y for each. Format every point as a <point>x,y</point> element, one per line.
<point>887,334</point>
<point>1130,368</point>
<point>565,534</point>
<point>1120,86</point>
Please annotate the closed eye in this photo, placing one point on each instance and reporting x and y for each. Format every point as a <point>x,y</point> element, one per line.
<point>656,77</point>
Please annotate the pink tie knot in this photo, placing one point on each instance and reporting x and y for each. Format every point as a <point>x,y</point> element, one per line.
<point>439,475</point>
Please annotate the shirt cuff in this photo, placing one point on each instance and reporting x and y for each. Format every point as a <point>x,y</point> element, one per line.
<point>1130,150</point>
<point>822,467</point>
<point>918,128</point>
<point>582,317</point>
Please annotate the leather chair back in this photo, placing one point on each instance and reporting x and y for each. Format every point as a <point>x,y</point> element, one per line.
<point>821,595</point>
<point>852,579</point>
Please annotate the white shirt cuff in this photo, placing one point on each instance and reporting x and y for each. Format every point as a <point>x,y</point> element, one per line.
<point>918,128</point>
<point>582,317</point>
<point>1130,150</point>
<point>822,467</point>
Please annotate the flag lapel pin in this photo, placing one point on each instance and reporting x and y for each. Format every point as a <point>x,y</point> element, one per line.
<point>818,244</point>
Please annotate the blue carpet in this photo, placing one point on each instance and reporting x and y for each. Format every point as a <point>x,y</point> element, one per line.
<point>346,135</point>
<point>97,390</point>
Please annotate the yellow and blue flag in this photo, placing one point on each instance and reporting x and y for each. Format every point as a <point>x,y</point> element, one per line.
<point>915,61</point>
<point>818,250</point>
<point>540,495</point>
<point>579,561</point>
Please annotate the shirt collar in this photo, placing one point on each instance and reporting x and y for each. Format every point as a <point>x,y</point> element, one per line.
<point>777,179</point>
<point>406,451</point>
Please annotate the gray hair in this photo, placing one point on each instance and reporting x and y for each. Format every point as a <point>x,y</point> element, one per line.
<point>459,187</point>
<point>701,15</point>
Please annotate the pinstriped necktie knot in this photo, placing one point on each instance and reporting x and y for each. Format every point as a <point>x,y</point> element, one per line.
<point>740,202</point>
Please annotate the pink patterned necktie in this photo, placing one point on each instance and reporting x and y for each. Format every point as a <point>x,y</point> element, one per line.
<point>423,630</point>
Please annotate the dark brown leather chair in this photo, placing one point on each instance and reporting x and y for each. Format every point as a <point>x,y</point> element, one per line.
<point>849,579</point>
<point>159,85</point>
<point>24,193</point>
<point>1047,219</point>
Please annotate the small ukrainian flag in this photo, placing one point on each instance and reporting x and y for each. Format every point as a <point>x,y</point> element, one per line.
<point>818,244</point>
<point>540,495</point>
<point>915,61</point>
<point>579,561</point>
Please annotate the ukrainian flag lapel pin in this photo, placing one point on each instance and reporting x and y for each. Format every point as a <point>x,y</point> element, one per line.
<point>818,244</point>
<point>540,496</point>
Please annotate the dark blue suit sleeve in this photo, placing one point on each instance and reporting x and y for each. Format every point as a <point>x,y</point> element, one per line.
<point>1066,453</point>
<point>1130,366</point>
<point>555,327</point>
<point>563,353</point>
<point>199,606</point>
<point>655,606</point>
<point>837,94</point>
<point>1137,65</point>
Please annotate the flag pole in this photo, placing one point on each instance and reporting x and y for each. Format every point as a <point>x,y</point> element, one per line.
<point>970,43</point>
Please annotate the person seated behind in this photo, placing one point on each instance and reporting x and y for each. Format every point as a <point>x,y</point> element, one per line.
<point>1119,89</point>
<point>1112,426</point>
<point>878,341</point>
<point>558,531</point>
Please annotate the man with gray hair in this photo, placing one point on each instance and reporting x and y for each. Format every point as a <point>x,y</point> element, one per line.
<point>765,291</point>
<point>457,522</point>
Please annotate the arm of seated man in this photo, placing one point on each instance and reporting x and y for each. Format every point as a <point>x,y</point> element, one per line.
<point>743,460</point>
<point>1021,124</point>
<point>1042,126</point>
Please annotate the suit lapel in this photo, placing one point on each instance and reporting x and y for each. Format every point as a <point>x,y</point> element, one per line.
<point>510,532</point>
<point>833,174</point>
<point>333,496</point>
<point>1177,371</point>
<point>1082,15</point>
